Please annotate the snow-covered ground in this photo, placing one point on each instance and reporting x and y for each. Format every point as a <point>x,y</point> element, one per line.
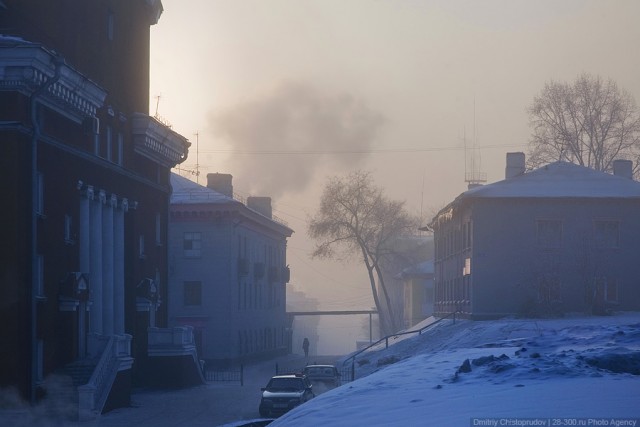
<point>576,370</point>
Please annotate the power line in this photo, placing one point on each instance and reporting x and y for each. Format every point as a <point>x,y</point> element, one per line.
<point>353,151</point>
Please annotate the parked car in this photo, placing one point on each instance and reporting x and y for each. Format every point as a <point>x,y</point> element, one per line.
<point>283,393</point>
<point>325,375</point>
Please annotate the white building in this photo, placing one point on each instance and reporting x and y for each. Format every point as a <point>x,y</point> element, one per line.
<point>227,270</point>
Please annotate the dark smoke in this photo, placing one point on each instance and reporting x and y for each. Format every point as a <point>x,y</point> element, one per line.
<point>289,123</point>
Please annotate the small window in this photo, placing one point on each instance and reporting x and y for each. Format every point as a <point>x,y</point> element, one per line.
<point>141,252</point>
<point>549,233</point>
<point>193,293</point>
<point>108,143</point>
<point>606,234</point>
<point>120,154</point>
<point>192,245</point>
<point>158,230</point>
<point>68,223</point>
<point>110,22</point>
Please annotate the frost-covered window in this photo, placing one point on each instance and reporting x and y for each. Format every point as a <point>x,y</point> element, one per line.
<point>549,233</point>
<point>193,293</point>
<point>606,234</point>
<point>192,244</point>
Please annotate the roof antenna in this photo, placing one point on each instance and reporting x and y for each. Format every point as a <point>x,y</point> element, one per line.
<point>472,174</point>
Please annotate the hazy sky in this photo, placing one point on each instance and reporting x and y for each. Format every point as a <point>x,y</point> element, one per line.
<point>284,93</point>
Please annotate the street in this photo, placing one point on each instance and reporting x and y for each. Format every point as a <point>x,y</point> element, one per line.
<point>208,405</point>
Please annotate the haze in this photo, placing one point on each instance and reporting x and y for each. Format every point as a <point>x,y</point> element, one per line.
<point>284,93</point>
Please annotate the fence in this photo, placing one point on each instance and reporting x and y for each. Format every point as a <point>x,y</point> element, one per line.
<point>225,375</point>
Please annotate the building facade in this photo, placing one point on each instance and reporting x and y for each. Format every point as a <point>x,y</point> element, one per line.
<point>228,270</point>
<point>86,184</point>
<point>561,238</point>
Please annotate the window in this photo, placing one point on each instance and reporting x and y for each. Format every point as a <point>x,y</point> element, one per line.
<point>110,21</point>
<point>158,230</point>
<point>606,234</point>
<point>108,142</point>
<point>192,245</point>
<point>549,233</point>
<point>193,293</point>
<point>141,252</point>
<point>68,238</point>
<point>119,158</point>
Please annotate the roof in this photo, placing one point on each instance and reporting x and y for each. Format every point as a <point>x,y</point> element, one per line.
<point>560,179</point>
<point>186,191</point>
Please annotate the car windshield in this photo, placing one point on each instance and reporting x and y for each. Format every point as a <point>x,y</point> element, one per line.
<point>285,384</point>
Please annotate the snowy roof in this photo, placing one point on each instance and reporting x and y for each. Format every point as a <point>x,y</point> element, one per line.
<point>560,179</point>
<point>186,191</point>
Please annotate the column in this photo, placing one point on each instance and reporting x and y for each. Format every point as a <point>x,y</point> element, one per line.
<point>96,263</point>
<point>118,267</point>
<point>107,264</point>
<point>85,256</point>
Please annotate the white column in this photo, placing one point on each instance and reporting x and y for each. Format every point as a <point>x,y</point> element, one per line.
<point>107,265</point>
<point>96,264</point>
<point>118,268</point>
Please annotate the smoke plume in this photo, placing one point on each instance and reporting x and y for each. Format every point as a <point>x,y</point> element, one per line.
<point>281,140</point>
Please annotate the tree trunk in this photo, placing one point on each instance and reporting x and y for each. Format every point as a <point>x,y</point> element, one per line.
<point>392,318</point>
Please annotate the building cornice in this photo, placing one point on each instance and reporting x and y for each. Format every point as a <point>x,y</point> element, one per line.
<point>158,142</point>
<point>24,67</point>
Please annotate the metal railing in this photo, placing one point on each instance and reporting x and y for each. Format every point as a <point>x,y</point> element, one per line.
<point>226,375</point>
<point>396,335</point>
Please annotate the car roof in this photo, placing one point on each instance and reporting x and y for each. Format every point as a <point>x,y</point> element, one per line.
<point>320,366</point>
<point>288,376</point>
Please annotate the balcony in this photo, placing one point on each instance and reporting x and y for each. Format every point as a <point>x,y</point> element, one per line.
<point>158,142</point>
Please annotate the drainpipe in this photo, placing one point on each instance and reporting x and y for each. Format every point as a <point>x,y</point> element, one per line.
<point>33,101</point>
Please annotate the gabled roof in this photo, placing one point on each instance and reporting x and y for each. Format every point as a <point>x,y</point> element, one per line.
<point>560,179</point>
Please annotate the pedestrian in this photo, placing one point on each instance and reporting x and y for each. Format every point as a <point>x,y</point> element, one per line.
<point>305,347</point>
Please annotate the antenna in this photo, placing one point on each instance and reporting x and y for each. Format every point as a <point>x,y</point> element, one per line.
<point>472,174</point>
<point>157,103</point>
<point>197,155</point>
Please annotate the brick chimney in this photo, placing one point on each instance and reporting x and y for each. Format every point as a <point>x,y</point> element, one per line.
<point>261,205</point>
<point>623,168</point>
<point>220,182</point>
<point>515,165</point>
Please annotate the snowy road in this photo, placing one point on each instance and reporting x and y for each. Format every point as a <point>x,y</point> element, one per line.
<point>208,405</point>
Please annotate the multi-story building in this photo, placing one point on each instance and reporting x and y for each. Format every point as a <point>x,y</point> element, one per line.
<point>227,270</point>
<point>561,238</point>
<point>85,175</point>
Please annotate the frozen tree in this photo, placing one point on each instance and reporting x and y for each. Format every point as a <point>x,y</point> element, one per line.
<point>591,122</point>
<point>355,218</point>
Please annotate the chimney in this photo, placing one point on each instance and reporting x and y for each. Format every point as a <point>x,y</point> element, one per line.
<point>623,168</point>
<point>220,182</point>
<point>515,165</point>
<point>262,205</point>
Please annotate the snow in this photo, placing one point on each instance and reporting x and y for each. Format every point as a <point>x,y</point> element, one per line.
<point>187,191</point>
<point>560,179</point>
<point>525,371</point>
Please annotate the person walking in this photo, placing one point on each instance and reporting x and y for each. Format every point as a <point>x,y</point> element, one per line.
<point>305,347</point>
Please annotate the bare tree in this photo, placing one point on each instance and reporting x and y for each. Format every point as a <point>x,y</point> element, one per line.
<point>356,219</point>
<point>590,122</point>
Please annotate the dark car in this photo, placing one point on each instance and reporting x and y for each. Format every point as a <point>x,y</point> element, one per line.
<point>326,376</point>
<point>283,393</point>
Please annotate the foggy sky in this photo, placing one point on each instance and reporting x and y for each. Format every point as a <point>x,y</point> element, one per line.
<point>406,83</point>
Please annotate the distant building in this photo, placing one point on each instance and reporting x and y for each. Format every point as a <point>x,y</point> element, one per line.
<point>228,270</point>
<point>85,175</point>
<point>418,286</point>
<point>561,238</point>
